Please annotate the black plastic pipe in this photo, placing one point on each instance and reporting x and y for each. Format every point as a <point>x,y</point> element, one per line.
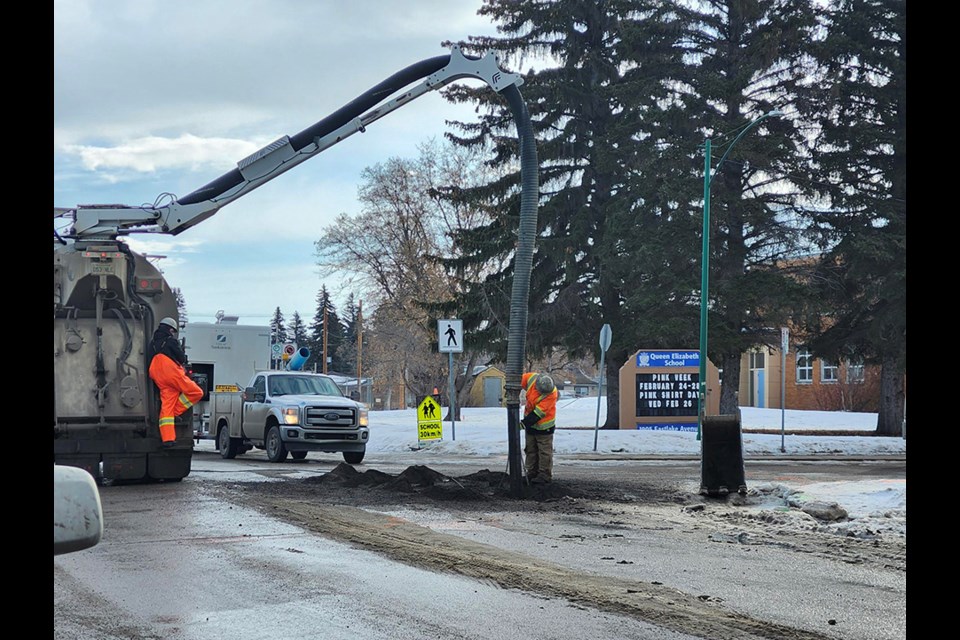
<point>523,265</point>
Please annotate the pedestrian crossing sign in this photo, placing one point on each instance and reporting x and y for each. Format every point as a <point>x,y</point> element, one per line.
<point>450,333</point>
<point>429,425</point>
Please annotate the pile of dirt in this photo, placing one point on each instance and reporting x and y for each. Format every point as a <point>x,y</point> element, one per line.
<point>484,485</point>
<point>484,490</point>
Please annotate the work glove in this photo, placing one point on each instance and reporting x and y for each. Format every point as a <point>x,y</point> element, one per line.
<point>530,419</point>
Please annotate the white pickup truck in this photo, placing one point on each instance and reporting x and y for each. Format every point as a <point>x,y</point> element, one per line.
<point>291,412</point>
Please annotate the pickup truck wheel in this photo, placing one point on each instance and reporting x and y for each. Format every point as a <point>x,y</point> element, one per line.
<point>298,455</point>
<point>276,450</point>
<point>228,446</point>
<point>353,457</point>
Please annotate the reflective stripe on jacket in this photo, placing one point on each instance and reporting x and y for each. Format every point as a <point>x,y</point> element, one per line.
<point>177,392</point>
<point>544,406</point>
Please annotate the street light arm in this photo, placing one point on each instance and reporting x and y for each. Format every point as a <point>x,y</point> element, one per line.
<point>740,135</point>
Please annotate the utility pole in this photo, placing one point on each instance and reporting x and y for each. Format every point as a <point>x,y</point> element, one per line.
<point>324,336</point>
<point>359,346</point>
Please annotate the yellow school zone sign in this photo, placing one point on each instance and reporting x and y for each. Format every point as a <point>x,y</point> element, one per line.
<point>429,426</point>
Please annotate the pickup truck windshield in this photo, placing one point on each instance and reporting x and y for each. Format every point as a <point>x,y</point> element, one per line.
<point>303,385</point>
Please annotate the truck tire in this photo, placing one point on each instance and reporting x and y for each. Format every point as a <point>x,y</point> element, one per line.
<point>276,450</point>
<point>353,457</point>
<point>298,455</point>
<point>229,447</point>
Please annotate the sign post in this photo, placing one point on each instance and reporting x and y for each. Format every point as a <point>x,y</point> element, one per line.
<point>784,348</point>
<point>605,335</point>
<point>275,353</point>
<point>450,333</point>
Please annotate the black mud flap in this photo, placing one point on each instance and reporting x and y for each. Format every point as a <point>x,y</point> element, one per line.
<point>170,464</point>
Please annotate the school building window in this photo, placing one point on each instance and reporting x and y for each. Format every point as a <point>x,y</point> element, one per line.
<point>828,371</point>
<point>855,373</point>
<point>804,365</point>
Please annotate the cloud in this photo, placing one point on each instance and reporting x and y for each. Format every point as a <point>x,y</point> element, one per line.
<point>153,153</point>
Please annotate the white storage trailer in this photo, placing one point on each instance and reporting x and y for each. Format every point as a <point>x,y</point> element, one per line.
<point>226,355</point>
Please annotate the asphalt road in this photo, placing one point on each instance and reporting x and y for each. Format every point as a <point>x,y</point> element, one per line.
<point>619,548</point>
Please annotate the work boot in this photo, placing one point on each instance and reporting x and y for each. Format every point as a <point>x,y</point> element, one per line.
<point>539,480</point>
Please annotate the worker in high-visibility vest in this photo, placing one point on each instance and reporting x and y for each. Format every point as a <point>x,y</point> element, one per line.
<point>177,391</point>
<point>539,423</point>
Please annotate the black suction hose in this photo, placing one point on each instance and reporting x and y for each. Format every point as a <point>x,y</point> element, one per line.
<point>523,265</point>
<point>334,121</point>
<point>529,198</point>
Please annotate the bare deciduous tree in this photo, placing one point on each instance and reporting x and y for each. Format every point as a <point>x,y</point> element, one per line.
<point>388,252</point>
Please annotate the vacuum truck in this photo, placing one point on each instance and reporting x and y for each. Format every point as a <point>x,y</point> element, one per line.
<point>108,299</point>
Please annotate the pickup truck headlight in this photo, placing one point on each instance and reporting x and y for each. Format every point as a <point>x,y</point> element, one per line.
<point>364,421</point>
<point>291,415</point>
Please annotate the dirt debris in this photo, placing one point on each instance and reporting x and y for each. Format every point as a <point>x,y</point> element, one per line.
<point>345,504</point>
<point>420,482</point>
<point>359,507</point>
<point>629,501</point>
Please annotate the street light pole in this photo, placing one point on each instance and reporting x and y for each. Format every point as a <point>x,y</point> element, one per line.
<point>704,286</point>
<point>705,259</point>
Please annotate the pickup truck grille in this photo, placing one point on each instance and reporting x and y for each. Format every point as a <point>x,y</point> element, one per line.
<point>323,417</point>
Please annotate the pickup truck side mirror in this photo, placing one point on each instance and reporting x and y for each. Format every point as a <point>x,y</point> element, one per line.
<point>77,512</point>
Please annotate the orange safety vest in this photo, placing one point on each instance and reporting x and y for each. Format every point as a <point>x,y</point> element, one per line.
<point>177,392</point>
<point>544,406</point>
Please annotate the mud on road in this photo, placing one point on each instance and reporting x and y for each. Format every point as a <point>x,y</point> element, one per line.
<point>355,507</point>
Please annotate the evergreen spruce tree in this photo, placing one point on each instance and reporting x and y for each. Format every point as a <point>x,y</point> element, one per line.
<point>746,59</point>
<point>298,333</point>
<point>625,97</point>
<point>585,103</point>
<point>334,334</point>
<point>860,153</point>
<point>278,330</point>
<point>181,306</point>
<point>348,349</point>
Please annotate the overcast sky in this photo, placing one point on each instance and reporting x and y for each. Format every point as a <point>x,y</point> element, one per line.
<point>155,97</point>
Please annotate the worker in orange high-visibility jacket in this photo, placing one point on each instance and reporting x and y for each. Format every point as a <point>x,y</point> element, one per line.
<point>177,391</point>
<point>539,423</point>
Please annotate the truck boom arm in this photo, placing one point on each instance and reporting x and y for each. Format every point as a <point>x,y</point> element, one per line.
<point>179,214</point>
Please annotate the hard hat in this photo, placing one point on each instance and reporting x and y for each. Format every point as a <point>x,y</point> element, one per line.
<point>170,322</point>
<point>544,383</point>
